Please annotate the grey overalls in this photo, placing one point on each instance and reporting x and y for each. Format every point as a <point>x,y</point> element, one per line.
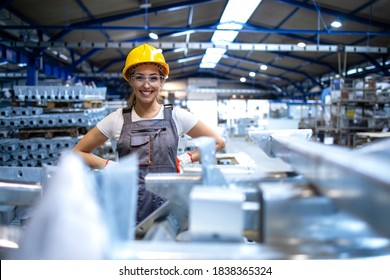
<point>155,141</point>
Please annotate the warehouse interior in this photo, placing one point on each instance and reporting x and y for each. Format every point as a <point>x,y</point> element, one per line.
<point>298,89</point>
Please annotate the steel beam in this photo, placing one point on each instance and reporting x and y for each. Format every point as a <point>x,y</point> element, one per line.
<point>203,46</point>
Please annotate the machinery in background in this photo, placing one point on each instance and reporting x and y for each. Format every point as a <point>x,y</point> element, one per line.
<point>333,206</point>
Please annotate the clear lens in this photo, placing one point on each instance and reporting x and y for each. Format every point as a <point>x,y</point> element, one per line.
<point>153,80</point>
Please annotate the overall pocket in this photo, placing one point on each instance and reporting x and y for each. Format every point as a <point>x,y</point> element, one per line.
<point>142,144</point>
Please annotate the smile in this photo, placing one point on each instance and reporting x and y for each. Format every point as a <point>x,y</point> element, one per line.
<point>146,93</point>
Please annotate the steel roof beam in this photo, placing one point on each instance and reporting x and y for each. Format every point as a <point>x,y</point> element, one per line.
<point>274,66</point>
<point>378,66</point>
<point>198,30</point>
<point>362,7</point>
<point>90,15</point>
<point>336,13</point>
<point>107,65</point>
<point>262,73</point>
<point>203,46</point>
<point>84,57</point>
<point>98,22</point>
<point>312,61</point>
<point>300,89</point>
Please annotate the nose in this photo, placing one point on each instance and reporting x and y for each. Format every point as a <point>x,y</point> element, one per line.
<point>147,83</point>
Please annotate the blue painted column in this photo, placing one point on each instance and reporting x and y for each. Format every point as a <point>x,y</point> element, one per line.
<point>32,72</point>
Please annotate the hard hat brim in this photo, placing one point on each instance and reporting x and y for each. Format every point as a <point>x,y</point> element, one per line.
<point>163,67</point>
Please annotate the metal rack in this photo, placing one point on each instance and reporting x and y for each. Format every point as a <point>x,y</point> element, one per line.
<point>356,106</point>
<point>41,121</point>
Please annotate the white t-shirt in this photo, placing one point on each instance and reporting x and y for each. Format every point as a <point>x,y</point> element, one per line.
<point>111,126</point>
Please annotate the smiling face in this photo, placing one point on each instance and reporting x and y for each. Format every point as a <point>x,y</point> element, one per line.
<point>146,82</point>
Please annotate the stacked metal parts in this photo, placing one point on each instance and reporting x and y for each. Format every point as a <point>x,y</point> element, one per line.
<point>41,121</point>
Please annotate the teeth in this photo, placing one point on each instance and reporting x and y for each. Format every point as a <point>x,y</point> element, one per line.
<point>146,92</point>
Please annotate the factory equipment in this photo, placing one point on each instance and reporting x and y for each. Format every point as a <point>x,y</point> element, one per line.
<point>333,206</point>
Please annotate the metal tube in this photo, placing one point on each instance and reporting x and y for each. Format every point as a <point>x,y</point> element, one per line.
<point>19,194</point>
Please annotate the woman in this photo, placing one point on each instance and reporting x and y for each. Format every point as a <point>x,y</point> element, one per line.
<point>146,127</point>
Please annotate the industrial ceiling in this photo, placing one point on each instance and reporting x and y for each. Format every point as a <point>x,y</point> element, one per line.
<point>89,39</point>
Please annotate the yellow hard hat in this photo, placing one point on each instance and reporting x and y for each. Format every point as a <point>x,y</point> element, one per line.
<point>145,54</point>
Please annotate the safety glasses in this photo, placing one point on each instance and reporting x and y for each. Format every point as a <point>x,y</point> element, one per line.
<point>152,80</point>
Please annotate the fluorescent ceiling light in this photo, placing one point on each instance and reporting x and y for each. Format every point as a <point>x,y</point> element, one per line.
<point>234,16</point>
<point>60,55</point>
<point>153,36</point>
<point>183,33</point>
<point>186,59</point>
<point>64,57</point>
<point>224,37</point>
<point>145,5</point>
<point>213,54</point>
<point>211,58</point>
<point>336,24</point>
<point>239,11</point>
<point>207,65</point>
<point>179,50</point>
<point>278,89</point>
